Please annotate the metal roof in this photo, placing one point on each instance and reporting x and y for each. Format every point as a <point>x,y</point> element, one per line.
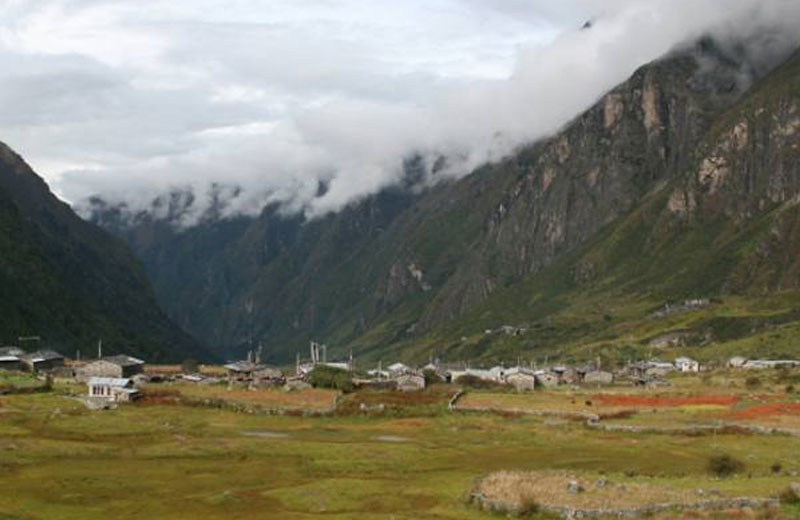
<point>43,355</point>
<point>110,381</point>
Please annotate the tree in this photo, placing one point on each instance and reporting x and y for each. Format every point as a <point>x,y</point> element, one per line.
<point>431,377</point>
<point>331,377</point>
<point>724,465</point>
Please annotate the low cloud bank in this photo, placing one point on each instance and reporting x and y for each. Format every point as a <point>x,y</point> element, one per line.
<point>245,116</point>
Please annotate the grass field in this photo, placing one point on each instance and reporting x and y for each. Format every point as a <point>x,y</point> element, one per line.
<point>415,460</point>
<point>312,400</point>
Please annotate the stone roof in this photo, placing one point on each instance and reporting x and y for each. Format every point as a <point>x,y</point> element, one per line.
<point>123,360</point>
<point>242,366</point>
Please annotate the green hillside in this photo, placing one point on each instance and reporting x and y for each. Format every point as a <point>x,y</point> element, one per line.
<point>734,243</point>
<point>71,283</point>
<point>678,184</point>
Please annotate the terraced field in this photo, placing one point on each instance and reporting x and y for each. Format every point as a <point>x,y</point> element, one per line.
<point>414,459</point>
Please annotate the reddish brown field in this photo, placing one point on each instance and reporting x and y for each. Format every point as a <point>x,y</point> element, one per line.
<point>766,410</point>
<point>664,402</point>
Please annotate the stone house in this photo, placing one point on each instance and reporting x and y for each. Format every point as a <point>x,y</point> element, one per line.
<point>10,358</point>
<point>546,379</point>
<point>112,389</point>
<point>42,360</point>
<point>396,369</point>
<point>240,371</point>
<point>267,376</point>
<point>410,382</point>
<point>254,374</point>
<point>10,363</point>
<point>598,377</point>
<point>120,366</point>
<point>378,374</point>
<point>656,368</point>
<point>521,380</point>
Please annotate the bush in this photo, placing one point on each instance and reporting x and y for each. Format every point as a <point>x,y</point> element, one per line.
<point>776,468</point>
<point>790,495</point>
<point>752,383</point>
<point>431,377</point>
<point>724,465</point>
<point>331,377</point>
<point>527,506</point>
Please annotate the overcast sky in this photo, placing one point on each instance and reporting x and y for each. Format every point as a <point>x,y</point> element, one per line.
<point>130,98</point>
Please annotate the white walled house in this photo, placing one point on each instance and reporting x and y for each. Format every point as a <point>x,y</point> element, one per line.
<point>112,389</point>
<point>685,364</point>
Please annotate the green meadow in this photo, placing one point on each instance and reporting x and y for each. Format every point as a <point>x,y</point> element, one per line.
<point>413,460</point>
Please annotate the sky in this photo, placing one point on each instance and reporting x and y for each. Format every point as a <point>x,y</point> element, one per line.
<point>265,101</point>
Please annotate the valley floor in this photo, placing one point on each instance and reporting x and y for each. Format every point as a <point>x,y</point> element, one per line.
<point>415,459</point>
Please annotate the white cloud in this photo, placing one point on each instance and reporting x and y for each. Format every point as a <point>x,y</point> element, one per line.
<point>128,99</point>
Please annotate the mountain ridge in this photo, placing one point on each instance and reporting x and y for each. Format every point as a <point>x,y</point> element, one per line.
<point>399,271</point>
<point>72,283</point>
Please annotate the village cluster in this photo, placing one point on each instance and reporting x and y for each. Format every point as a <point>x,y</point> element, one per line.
<point>118,378</point>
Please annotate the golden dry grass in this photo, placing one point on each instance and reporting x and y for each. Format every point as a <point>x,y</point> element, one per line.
<point>520,488</point>
<point>173,370</point>
<point>311,399</point>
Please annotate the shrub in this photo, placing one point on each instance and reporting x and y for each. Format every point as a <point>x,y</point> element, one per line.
<point>431,377</point>
<point>724,465</point>
<point>330,377</point>
<point>752,383</point>
<point>790,495</point>
<point>790,389</point>
<point>776,468</point>
<point>527,506</point>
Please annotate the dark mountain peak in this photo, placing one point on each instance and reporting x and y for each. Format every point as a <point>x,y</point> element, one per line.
<point>69,281</point>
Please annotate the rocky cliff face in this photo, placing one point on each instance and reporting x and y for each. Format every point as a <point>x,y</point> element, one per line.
<point>625,191</point>
<point>746,171</point>
<point>70,282</point>
<point>602,164</point>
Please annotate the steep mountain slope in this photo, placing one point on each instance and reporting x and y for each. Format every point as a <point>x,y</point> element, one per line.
<point>70,282</point>
<point>581,213</point>
<point>725,228</point>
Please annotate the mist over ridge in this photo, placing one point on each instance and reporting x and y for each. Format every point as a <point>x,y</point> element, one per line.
<point>252,114</point>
